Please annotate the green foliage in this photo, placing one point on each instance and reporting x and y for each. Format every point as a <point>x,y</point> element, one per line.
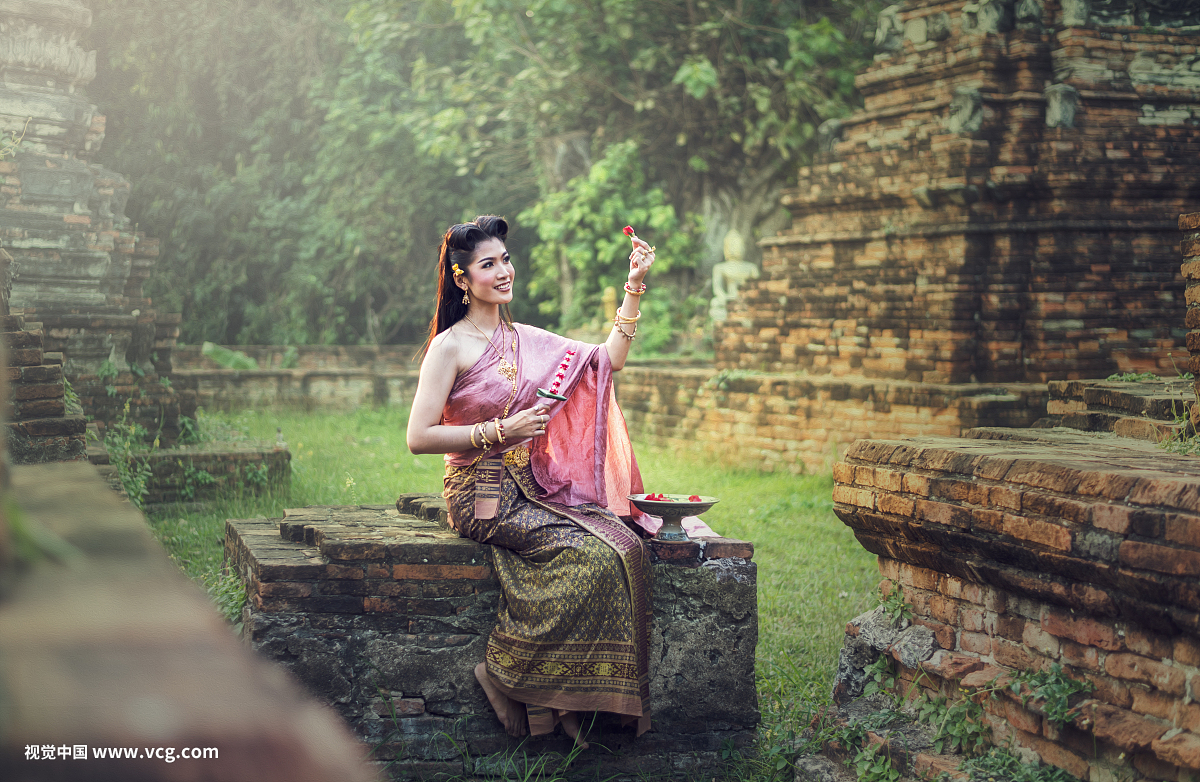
<point>1133,377</point>
<point>873,763</point>
<point>300,159</point>
<point>958,725</point>
<point>1053,690</point>
<point>881,677</point>
<point>193,480</point>
<point>10,145</point>
<point>124,440</point>
<point>256,474</point>
<point>227,590</point>
<point>1183,440</point>
<point>107,374</point>
<point>581,249</point>
<point>189,431</point>
<point>1000,763</point>
<point>70,398</point>
<point>229,359</point>
<point>891,597</point>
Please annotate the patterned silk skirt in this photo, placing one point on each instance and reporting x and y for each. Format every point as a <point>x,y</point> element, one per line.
<point>574,618</point>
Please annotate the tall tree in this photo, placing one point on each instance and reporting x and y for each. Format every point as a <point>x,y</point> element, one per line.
<point>722,97</point>
<point>300,158</point>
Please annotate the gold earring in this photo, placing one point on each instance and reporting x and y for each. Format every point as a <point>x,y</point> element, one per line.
<point>466,298</point>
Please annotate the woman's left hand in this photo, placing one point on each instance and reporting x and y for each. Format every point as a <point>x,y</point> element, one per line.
<point>640,260</point>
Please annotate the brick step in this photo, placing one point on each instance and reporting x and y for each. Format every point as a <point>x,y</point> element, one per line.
<point>60,426</point>
<point>23,339</point>
<point>908,743</point>
<point>1147,429</point>
<point>31,409</point>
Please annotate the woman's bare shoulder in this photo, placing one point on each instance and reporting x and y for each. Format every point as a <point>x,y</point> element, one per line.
<point>443,350</point>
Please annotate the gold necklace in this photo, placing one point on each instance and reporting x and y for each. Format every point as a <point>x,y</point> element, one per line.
<point>506,370</point>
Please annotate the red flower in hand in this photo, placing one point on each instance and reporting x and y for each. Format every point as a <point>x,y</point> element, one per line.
<point>629,231</point>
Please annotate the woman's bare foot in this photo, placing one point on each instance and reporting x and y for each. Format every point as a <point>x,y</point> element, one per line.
<point>511,713</point>
<point>570,723</point>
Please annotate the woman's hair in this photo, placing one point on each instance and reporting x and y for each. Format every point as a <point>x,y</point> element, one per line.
<point>458,244</point>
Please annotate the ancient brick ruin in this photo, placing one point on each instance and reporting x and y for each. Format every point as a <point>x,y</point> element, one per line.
<point>41,428</point>
<point>1000,214</point>
<point>78,265</point>
<point>1020,550</point>
<point>384,613</point>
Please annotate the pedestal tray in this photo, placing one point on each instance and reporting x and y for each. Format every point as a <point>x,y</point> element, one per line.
<point>672,510</point>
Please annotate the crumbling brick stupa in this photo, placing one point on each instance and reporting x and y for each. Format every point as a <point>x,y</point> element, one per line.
<point>77,267</point>
<point>999,214</point>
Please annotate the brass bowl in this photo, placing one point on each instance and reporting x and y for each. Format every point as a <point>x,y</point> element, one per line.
<point>672,512</point>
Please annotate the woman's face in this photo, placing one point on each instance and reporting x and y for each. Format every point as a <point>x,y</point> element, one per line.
<point>490,273</point>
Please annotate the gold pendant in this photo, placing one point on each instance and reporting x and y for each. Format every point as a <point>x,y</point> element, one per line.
<point>507,370</point>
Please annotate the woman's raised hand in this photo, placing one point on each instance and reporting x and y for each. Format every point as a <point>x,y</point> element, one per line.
<point>527,423</point>
<point>640,260</point>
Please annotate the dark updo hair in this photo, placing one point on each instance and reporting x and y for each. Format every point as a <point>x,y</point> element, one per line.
<point>458,244</point>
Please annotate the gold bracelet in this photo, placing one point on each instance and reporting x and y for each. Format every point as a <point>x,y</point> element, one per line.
<point>499,430</point>
<point>619,318</point>
<point>473,445</point>
<point>624,334</point>
<point>632,292</point>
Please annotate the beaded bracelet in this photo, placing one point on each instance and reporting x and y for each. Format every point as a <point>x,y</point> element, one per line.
<point>632,292</point>
<point>499,430</point>
<point>483,435</point>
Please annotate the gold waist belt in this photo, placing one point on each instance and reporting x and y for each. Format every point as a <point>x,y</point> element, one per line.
<point>517,457</point>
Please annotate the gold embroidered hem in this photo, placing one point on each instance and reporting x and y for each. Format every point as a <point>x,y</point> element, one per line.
<point>572,626</point>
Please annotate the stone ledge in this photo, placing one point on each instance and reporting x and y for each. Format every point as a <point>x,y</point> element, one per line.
<point>1146,410</point>
<point>383,612</point>
<point>117,648</point>
<point>1091,522</point>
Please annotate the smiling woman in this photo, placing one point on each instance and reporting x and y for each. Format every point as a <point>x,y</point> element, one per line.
<point>545,481</point>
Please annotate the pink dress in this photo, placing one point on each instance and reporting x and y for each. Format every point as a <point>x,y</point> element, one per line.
<point>573,623</point>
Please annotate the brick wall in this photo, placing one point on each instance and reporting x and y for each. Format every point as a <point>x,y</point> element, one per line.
<point>78,262</point>
<point>40,427</point>
<point>995,212</point>
<point>1022,550</point>
<point>1189,245</point>
<point>798,423</point>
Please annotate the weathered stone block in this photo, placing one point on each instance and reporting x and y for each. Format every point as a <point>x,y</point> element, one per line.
<point>423,626</point>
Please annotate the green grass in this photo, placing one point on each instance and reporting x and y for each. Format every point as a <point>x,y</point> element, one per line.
<point>812,575</point>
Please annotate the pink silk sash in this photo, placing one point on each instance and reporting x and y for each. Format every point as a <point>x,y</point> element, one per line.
<point>585,455</point>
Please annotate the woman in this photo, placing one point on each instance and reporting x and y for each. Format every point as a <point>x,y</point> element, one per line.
<point>543,480</point>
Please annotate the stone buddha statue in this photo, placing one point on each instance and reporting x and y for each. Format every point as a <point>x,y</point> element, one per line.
<point>729,275</point>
